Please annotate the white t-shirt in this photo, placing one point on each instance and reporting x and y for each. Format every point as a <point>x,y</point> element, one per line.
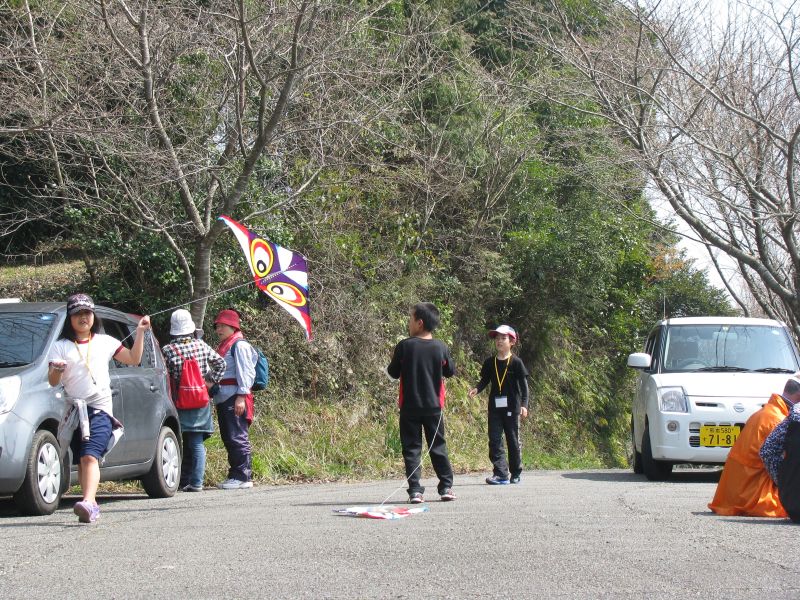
<point>86,374</point>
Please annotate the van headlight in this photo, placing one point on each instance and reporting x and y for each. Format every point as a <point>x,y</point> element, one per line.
<point>672,399</point>
<point>9,392</point>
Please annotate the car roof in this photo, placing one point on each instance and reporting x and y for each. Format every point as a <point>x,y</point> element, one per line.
<point>722,321</point>
<point>55,307</point>
<point>40,307</point>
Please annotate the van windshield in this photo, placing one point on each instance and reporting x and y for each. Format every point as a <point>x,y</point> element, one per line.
<point>728,348</point>
<point>23,336</point>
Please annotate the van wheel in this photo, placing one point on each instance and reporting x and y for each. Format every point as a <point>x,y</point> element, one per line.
<point>654,470</point>
<point>164,475</point>
<point>41,489</point>
<point>636,460</point>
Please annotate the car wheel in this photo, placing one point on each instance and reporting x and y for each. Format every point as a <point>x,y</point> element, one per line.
<point>654,470</point>
<point>41,489</point>
<point>164,475</point>
<point>636,459</point>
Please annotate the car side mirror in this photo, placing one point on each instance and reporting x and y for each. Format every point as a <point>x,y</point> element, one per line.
<point>639,360</point>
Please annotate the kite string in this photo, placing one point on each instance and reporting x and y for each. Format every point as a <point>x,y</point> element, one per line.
<point>236,287</point>
<point>260,280</point>
<point>427,453</point>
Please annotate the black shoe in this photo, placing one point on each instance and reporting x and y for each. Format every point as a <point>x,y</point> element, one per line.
<point>495,480</point>
<point>515,479</point>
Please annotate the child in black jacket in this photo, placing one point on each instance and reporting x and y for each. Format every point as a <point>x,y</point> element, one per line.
<point>508,400</point>
<point>422,363</point>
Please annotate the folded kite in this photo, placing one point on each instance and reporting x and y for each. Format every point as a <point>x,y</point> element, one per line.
<point>381,512</point>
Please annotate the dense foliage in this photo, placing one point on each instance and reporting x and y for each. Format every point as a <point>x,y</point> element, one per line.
<point>439,180</point>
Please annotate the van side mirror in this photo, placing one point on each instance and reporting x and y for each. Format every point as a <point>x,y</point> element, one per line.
<point>639,360</point>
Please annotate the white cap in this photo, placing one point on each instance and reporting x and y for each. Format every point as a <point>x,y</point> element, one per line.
<point>504,330</point>
<point>181,323</point>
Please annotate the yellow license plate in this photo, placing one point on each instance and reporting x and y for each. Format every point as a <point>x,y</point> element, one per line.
<point>719,435</point>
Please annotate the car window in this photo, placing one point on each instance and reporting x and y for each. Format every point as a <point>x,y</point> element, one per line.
<point>23,336</point>
<point>121,331</point>
<point>148,355</point>
<point>651,347</point>
<point>728,347</point>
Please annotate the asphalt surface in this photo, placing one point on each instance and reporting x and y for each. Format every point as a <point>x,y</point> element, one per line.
<point>576,534</point>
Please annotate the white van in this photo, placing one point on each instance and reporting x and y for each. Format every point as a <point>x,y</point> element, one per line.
<point>700,378</point>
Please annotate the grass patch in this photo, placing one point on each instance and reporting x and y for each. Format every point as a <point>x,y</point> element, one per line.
<point>41,283</point>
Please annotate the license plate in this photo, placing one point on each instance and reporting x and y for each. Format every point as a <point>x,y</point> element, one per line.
<point>719,435</point>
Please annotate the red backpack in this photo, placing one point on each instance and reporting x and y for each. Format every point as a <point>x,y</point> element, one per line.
<point>192,390</point>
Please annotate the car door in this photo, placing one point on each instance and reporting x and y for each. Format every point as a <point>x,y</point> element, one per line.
<point>118,455</point>
<point>143,393</point>
<point>644,384</point>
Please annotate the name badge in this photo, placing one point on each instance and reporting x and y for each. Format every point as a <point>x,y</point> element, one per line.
<point>500,402</point>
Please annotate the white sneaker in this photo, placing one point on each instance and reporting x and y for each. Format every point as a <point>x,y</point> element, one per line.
<point>235,484</point>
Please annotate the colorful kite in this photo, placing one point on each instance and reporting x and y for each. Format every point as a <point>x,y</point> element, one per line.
<point>380,512</point>
<point>277,271</point>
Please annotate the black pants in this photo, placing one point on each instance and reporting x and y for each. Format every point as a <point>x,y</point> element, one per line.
<point>411,428</point>
<point>235,435</point>
<point>499,423</point>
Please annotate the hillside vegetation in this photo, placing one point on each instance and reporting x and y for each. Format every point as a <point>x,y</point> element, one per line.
<point>406,164</point>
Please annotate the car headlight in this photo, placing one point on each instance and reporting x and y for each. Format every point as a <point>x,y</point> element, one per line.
<point>672,399</point>
<point>9,392</point>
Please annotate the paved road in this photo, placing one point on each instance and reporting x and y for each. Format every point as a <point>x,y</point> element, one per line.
<point>586,534</point>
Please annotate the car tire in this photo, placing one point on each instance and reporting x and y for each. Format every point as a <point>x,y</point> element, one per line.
<point>654,470</point>
<point>162,480</point>
<point>42,487</point>
<point>636,459</point>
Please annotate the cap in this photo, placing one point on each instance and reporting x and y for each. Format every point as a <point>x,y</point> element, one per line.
<point>181,323</point>
<point>504,330</point>
<point>78,302</point>
<point>228,317</point>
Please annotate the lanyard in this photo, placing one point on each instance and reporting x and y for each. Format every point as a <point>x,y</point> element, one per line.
<point>85,359</point>
<point>497,373</point>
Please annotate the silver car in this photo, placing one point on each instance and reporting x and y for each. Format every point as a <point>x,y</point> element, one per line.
<point>32,466</point>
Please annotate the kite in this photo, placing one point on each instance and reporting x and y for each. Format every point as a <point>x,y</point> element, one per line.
<point>280,273</point>
<point>381,512</point>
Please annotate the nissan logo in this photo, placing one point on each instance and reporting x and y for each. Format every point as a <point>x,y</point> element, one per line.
<point>738,407</point>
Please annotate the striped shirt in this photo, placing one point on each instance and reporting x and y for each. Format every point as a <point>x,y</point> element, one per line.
<point>212,365</point>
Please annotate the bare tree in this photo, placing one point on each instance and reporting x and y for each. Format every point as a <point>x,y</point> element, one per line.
<point>158,117</point>
<point>710,110</point>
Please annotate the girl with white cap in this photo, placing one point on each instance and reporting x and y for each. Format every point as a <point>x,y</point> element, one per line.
<point>196,423</point>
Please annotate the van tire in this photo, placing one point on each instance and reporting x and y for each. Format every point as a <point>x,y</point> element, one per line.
<point>654,470</point>
<point>44,469</point>
<point>636,459</point>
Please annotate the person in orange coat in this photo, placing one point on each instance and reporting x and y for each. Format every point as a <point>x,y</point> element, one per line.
<point>745,488</point>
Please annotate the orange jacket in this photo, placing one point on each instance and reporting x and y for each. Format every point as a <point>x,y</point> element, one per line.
<point>745,487</point>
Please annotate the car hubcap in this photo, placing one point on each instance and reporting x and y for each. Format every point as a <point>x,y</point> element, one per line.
<point>48,473</point>
<point>170,465</point>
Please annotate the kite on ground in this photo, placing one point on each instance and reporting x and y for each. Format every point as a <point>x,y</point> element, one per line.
<point>279,272</point>
<point>381,512</point>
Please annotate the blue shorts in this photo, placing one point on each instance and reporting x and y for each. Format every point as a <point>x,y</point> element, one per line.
<point>100,426</point>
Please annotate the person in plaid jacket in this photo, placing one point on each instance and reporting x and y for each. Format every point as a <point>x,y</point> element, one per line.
<point>196,424</point>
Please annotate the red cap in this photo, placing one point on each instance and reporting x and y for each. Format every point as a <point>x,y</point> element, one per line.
<point>228,317</point>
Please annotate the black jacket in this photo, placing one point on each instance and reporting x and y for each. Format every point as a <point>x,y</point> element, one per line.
<point>421,366</point>
<point>515,382</point>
